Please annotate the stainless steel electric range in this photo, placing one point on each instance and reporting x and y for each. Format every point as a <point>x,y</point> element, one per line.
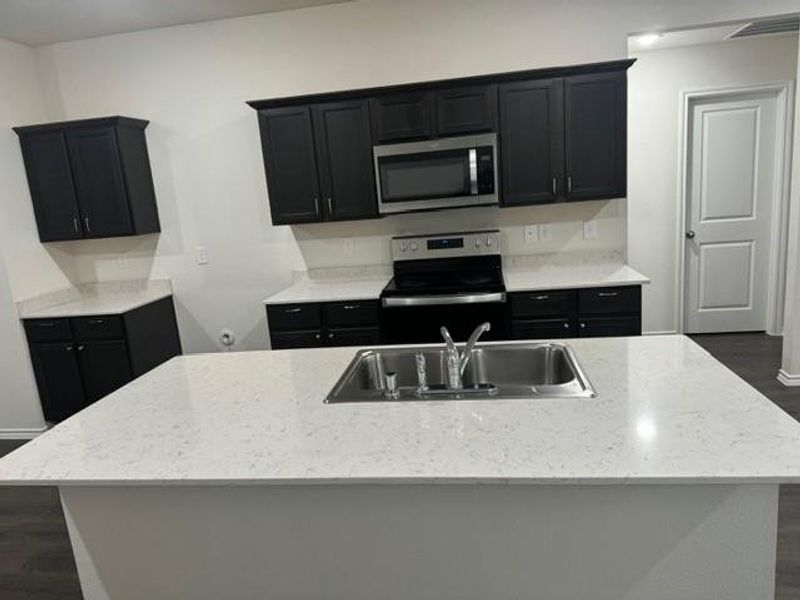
<point>453,279</point>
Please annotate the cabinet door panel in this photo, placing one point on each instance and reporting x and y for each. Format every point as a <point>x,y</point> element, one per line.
<point>105,367</point>
<point>531,141</point>
<point>613,300</point>
<point>94,156</point>
<point>58,379</point>
<point>344,153</point>
<point>287,340</point>
<point>402,116</point>
<point>52,188</point>
<point>356,336</point>
<point>595,124</point>
<point>290,164</point>
<point>542,329</point>
<point>610,326</point>
<point>466,110</point>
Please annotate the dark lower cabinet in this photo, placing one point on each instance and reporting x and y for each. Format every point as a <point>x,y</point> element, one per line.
<point>589,312</point>
<point>313,324</point>
<point>79,360</point>
<point>58,378</point>
<point>105,367</point>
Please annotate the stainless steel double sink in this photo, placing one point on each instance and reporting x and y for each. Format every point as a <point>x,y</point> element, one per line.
<point>494,372</point>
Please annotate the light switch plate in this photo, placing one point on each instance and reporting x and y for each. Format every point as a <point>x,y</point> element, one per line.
<point>590,230</point>
<point>200,255</point>
<point>545,232</point>
<point>531,234</point>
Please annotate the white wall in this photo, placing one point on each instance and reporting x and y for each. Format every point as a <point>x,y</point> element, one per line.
<point>790,368</point>
<point>655,83</point>
<point>28,267</point>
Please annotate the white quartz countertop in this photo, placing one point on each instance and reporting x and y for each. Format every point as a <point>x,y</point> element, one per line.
<point>667,412</point>
<point>329,290</point>
<point>571,276</point>
<point>109,298</point>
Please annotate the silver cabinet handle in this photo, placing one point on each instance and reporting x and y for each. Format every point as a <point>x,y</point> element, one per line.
<point>607,294</point>
<point>566,325</point>
<point>80,348</point>
<point>86,222</point>
<point>555,187</point>
<point>96,321</point>
<point>569,184</point>
<point>293,310</point>
<point>316,205</point>
<point>46,324</point>
<point>330,205</point>
<point>318,336</point>
<point>583,325</point>
<point>473,171</point>
<point>75,224</point>
<point>330,336</point>
<point>350,306</point>
<point>68,348</point>
<point>541,297</point>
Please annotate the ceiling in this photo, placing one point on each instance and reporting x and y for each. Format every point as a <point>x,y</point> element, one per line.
<point>688,37</point>
<point>38,22</point>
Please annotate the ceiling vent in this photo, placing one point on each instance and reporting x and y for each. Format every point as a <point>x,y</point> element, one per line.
<point>771,26</point>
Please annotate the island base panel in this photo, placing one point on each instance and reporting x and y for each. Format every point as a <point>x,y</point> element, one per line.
<point>426,542</point>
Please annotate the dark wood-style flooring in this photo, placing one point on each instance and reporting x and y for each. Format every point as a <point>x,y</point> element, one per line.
<point>36,561</point>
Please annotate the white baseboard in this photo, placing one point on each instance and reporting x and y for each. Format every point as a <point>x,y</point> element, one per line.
<point>21,434</point>
<point>788,379</point>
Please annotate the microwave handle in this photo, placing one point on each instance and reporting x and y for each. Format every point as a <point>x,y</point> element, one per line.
<point>473,171</point>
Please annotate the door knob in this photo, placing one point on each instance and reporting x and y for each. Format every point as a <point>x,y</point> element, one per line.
<point>690,234</point>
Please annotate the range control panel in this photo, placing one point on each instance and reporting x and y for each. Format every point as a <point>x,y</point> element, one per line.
<point>446,245</point>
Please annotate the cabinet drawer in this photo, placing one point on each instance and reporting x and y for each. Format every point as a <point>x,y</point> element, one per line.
<point>48,330</point>
<point>348,314</point>
<point>296,339</point>
<point>610,326</point>
<point>599,301</point>
<point>293,317</point>
<point>98,328</point>
<point>542,329</point>
<point>354,336</point>
<point>542,304</point>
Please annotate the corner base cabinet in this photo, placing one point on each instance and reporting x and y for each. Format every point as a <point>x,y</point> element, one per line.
<point>79,360</point>
<point>90,178</point>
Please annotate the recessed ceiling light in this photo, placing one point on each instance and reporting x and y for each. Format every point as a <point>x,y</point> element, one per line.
<point>648,39</point>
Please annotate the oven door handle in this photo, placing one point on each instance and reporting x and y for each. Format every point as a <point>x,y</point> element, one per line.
<point>398,301</point>
<point>473,171</point>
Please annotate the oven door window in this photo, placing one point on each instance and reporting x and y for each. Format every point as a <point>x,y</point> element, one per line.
<point>424,176</point>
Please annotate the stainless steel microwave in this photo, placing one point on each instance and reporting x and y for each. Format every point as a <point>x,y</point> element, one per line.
<point>443,173</point>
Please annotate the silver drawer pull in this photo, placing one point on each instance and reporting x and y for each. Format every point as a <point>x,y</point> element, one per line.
<point>607,294</point>
<point>96,321</point>
<point>330,336</point>
<point>566,325</point>
<point>46,324</point>
<point>541,297</point>
<point>317,335</point>
<point>80,348</point>
<point>293,310</point>
<point>350,306</point>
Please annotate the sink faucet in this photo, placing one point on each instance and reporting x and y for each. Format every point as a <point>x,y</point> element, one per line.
<point>457,363</point>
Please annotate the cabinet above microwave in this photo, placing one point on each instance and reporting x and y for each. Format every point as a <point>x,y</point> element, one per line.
<point>560,137</point>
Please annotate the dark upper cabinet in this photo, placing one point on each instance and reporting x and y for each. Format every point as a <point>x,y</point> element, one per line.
<point>399,117</point>
<point>466,109</point>
<point>97,173</point>
<point>531,141</point>
<point>55,204</point>
<point>595,135</point>
<point>287,142</point>
<point>105,367</point>
<point>58,378</point>
<point>90,178</point>
<point>344,160</point>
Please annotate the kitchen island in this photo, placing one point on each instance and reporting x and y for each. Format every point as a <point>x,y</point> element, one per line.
<point>227,476</point>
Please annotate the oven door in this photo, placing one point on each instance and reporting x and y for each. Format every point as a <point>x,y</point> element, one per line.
<point>417,319</point>
<point>435,174</point>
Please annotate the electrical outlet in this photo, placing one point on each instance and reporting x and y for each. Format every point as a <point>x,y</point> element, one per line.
<point>545,232</point>
<point>531,234</point>
<point>350,246</point>
<point>200,255</point>
<point>590,230</point>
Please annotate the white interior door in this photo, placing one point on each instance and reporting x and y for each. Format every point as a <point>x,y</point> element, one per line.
<point>731,178</point>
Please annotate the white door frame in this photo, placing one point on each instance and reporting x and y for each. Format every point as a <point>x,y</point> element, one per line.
<point>779,227</point>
